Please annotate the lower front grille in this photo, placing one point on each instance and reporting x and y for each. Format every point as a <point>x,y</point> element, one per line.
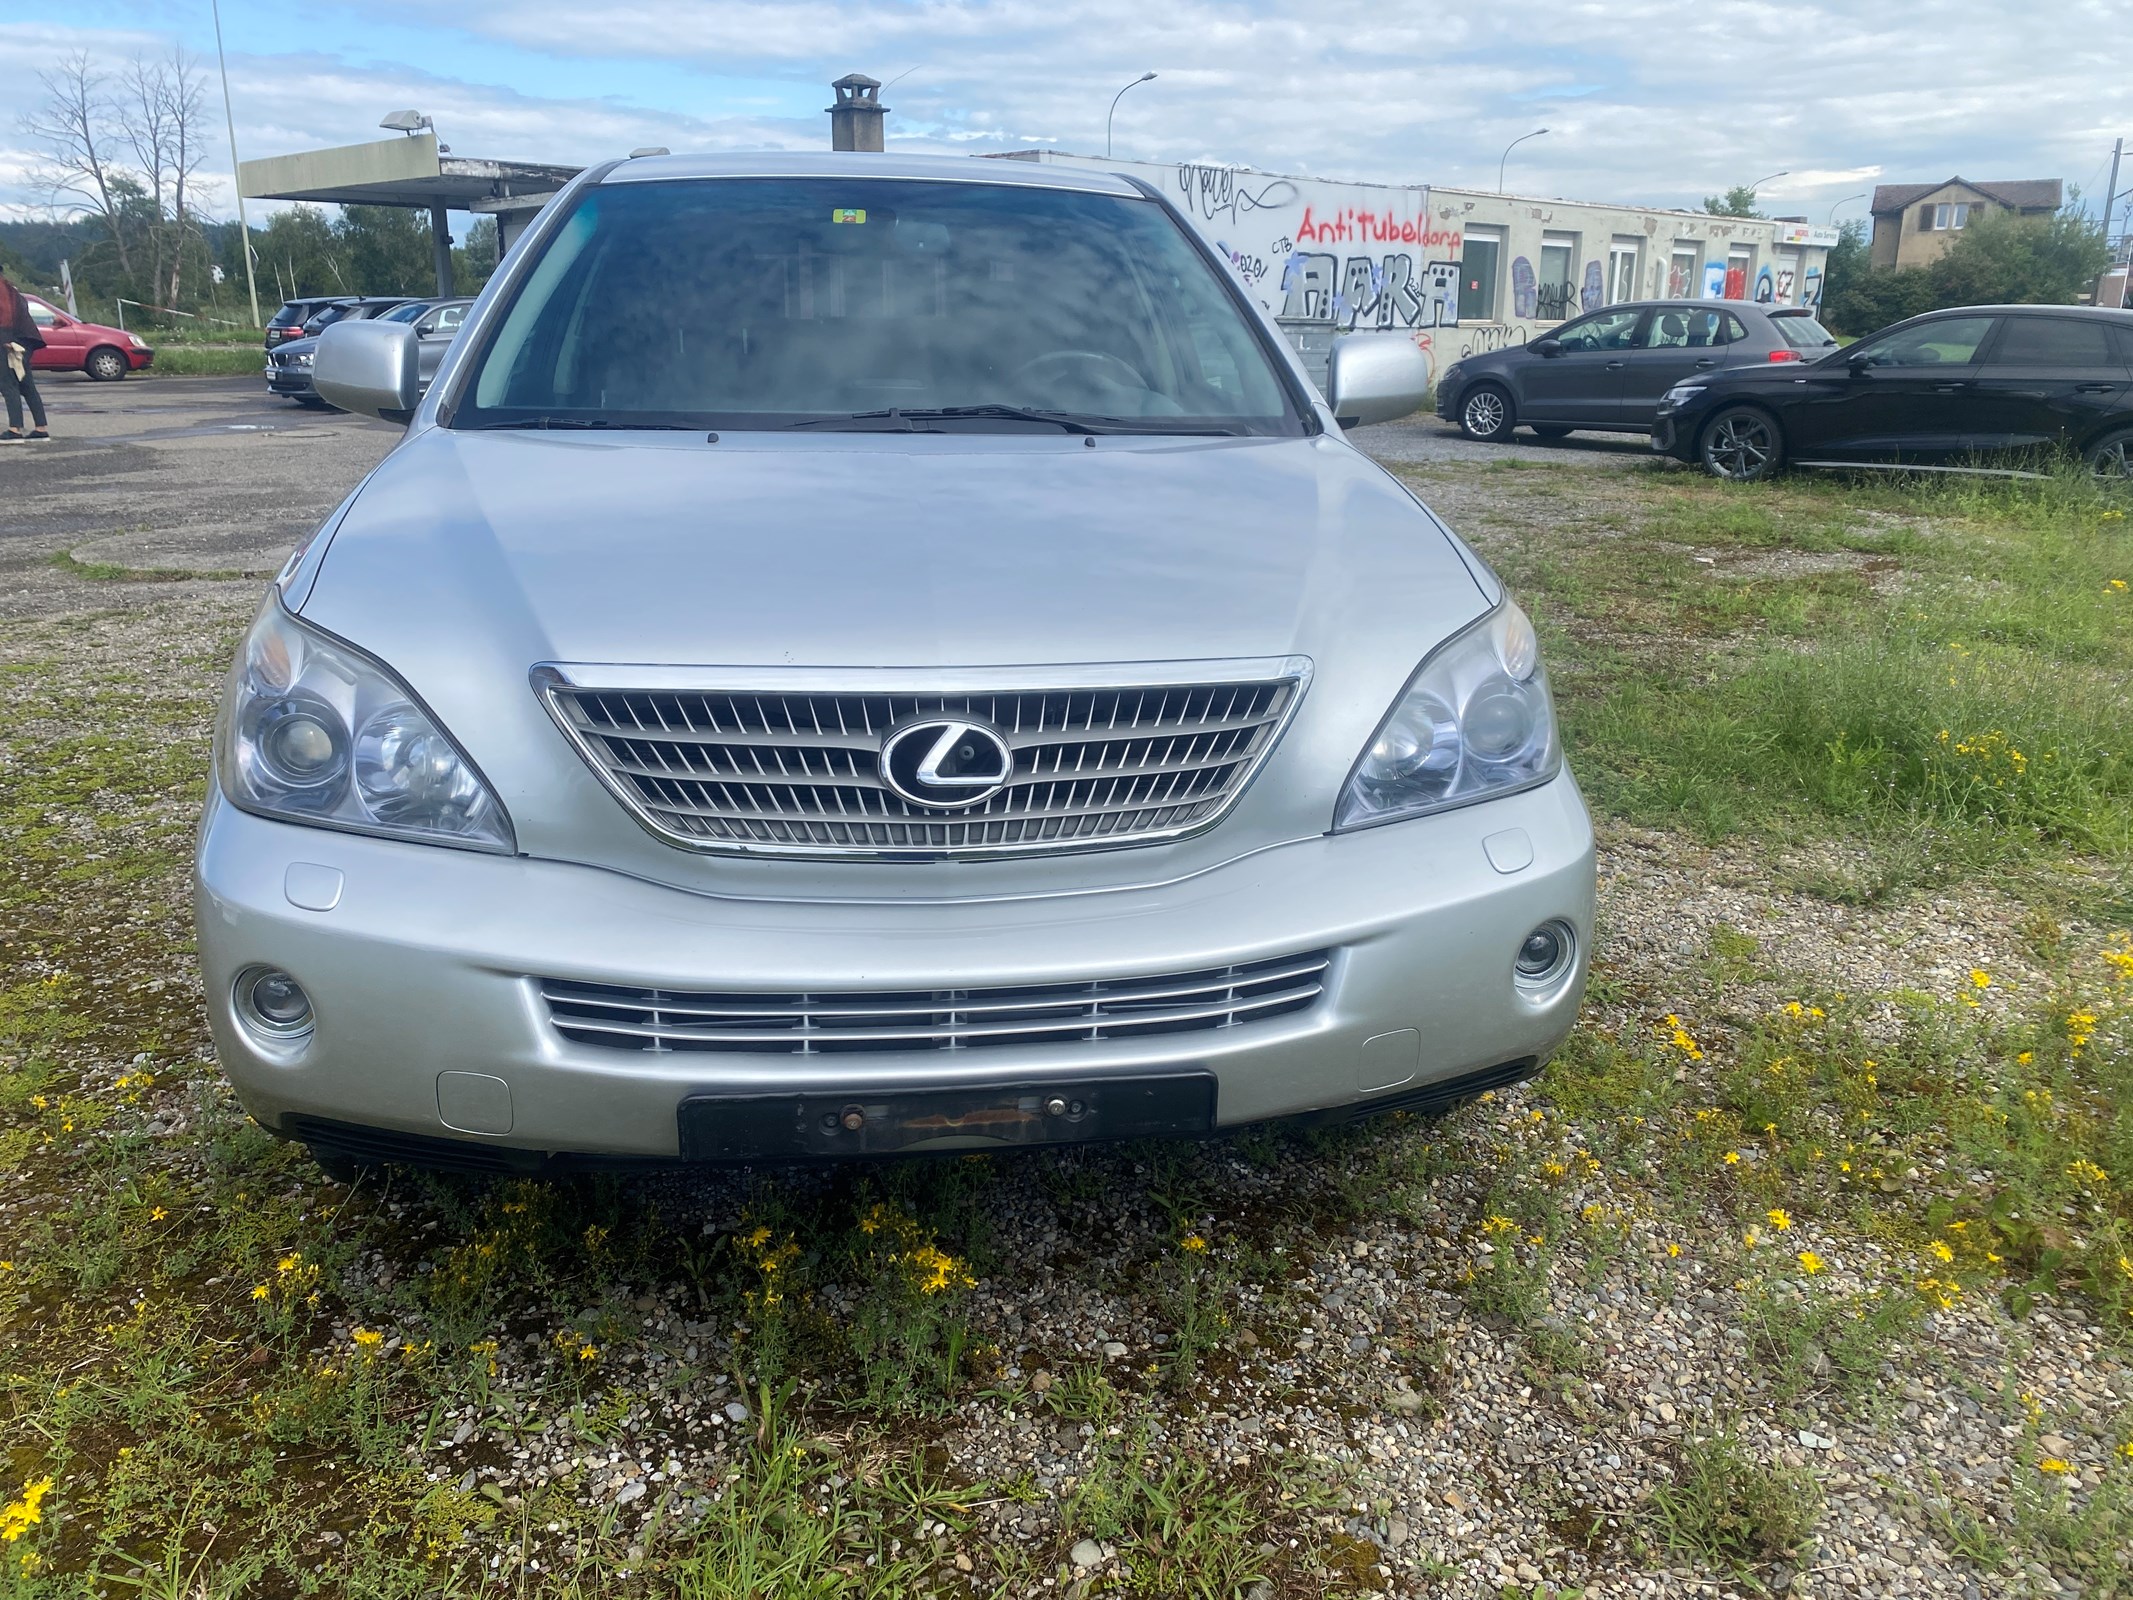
<point>621,1018</point>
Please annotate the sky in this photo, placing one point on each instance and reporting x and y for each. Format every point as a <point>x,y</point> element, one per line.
<point>1645,101</point>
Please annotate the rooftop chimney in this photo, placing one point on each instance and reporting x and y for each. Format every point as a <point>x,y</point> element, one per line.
<point>855,120</point>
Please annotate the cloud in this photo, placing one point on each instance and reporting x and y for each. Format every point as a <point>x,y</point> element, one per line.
<point>1645,100</point>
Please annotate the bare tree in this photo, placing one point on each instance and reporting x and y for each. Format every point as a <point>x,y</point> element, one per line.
<point>74,127</point>
<point>160,119</point>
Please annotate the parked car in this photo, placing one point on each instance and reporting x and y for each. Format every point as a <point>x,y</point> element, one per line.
<point>1988,385</point>
<point>919,669</point>
<point>435,321</point>
<point>287,324</point>
<point>354,309</point>
<point>1607,369</point>
<point>72,345</point>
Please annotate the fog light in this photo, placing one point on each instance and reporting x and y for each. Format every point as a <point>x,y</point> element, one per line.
<point>1546,954</point>
<point>274,1003</point>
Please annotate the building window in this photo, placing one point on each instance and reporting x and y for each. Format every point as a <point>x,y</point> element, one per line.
<point>1944,216</point>
<point>1621,271</point>
<point>1683,270</point>
<point>1740,267</point>
<point>1479,268</point>
<point>1557,294</point>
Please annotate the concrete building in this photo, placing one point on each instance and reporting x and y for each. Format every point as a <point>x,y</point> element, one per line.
<point>1463,269</point>
<point>1915,223</point>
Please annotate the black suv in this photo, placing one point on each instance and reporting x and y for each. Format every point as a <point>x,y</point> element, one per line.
<point>1607,369</point>
<point>1991,384</point>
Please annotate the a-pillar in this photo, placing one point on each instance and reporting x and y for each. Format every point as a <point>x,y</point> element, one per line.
<point>441,243</point>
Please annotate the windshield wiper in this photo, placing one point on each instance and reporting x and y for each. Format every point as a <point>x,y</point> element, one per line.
<point>544,424</point>
<point>1071,422</point>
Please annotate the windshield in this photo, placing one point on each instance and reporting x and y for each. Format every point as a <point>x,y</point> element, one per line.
<point>1802,333</point>
<point>407,313</point>
<point>820,302</point>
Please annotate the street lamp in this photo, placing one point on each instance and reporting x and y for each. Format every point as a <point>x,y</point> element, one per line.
<point>1847,200</point>
<point>1507,149</point>
<point>412,123</point>
<point>229,121</point>
<point>1759,182</point>
<point>1143,78</point>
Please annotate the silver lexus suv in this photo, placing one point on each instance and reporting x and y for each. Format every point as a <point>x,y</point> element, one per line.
<point>859,655</point>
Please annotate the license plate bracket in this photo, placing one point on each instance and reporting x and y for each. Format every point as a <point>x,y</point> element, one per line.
<point>873,1122</point>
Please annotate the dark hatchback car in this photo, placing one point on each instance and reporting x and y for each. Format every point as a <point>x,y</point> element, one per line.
<point>1607,369</point>
<point>1991,386</point>
<point>288,323</point>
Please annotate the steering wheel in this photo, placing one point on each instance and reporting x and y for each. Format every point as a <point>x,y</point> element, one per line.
<point>1083,369</point>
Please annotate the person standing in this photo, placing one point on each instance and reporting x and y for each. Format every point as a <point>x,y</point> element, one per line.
<point>19,342</point>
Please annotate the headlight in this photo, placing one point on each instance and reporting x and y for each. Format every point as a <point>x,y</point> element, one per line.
<point>303,358</point>
<point>312,730</point>
<point>1474,722</point>
<point>139,343</point>
<point>1681,394</point>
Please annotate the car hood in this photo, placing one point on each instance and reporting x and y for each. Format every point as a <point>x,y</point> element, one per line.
<point>304,346</point>
<point>471,557</point>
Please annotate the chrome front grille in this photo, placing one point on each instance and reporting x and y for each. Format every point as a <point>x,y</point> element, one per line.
<point>619,1018</point>
<point>793,768</point>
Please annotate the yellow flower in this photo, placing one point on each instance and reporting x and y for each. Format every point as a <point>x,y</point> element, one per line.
<point>368,1338</point>
<point>260,1291</point>
<point>1750,1237</point>
<point>1980,978</point>
<point>1732,1158</point>
<point>588,1352</point>
<point>23,1515</point>
<point>2055,1465</point>
<point>2126,1449</point>
<point>288,1263</point>
<point>1939,1250</point>
<point>1810,1263</point>
<point>1673,1250</point>
<point>2085,1171</point>
<point>157,1213</point>
<point>1192,1244</point>
<point>1780,1219</point>
<point>761,1237</point>
<point>2026,1057</point>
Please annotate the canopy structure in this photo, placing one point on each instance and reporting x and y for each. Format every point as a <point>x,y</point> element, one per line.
<point>412,172</point>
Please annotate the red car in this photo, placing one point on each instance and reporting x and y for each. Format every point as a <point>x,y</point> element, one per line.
<point>72,345</point>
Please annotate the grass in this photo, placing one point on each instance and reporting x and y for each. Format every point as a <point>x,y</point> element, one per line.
<point>242,1380</point>
<point>203,361</point>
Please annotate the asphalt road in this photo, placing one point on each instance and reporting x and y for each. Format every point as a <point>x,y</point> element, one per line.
<point>215,477</point>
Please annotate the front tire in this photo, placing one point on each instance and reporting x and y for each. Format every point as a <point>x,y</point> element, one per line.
<point>1741,445</point>
<point>106,365</point>
<point>1487,414</point>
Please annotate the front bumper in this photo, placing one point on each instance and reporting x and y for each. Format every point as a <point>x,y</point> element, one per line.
<point>289,382</point>
<point>424,973</point>
<point>1672,435</point>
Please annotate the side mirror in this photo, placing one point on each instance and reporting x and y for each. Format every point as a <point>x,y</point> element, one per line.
<point>1546,347</point>
<point>369,367</point>
<point>1859,363</point>
<point>1375,377</point>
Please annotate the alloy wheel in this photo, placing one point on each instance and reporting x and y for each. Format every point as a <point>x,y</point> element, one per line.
<point>1484,413</point>
<point>2114,461</point>
<point>1740,447</point>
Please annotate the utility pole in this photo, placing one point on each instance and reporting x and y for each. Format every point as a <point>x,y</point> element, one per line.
<point>229,121</point>
<point>2110,196</point>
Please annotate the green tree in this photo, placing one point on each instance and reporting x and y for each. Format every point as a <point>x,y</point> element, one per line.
<point>387,250</point>
<point>2005,259</point>
<point>473,261</point>
<point>1738,201</point>
<point>299,254</point>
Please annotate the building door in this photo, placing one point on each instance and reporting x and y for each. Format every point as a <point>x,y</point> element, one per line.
<point>1480,269</point>
<point>1621,271</point>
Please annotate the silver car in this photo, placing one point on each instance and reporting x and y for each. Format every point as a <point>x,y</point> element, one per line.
<point>858,655</point>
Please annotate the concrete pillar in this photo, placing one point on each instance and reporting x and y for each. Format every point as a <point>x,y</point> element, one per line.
<point>441,242</point>
<point>856,118</point>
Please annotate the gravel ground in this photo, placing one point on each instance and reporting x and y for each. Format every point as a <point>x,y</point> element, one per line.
<point>1465,1464</point>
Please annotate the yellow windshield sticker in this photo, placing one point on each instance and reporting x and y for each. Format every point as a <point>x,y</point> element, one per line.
<point>841,214</point>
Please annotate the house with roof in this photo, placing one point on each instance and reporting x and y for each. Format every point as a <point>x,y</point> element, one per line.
<point>1915,222</point>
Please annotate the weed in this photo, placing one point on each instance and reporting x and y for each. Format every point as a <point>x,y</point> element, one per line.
<point>1731,1511</point>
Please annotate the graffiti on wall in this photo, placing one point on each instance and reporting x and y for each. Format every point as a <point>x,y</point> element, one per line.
<point>1552,302</point>
<point>1714,280</point>
<point>1342,256</point>
<point>1811,288</point>
<point>1784,287</point>
<point>1765,287</point>
<point>1595,295</point>
<point>1525,288</point>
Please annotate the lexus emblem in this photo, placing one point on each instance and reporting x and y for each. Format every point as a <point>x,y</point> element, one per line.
<point>946,762</point>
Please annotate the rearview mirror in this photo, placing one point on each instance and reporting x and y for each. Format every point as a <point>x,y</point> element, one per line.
<point>1859,363</point>
<point>1375,377</point>
<point>368,367</point>
<point>1546,347</point>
